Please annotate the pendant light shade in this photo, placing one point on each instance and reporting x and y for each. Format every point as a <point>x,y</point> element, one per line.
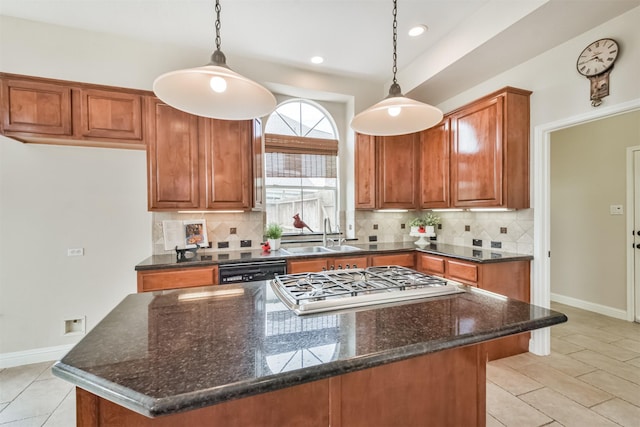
<point>396,114</point>
<point>214,90</point>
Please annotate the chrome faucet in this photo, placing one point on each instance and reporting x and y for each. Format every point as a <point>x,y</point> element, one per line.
<point>325,240</point>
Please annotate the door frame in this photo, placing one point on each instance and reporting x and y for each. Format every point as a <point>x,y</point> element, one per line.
<point>541,272</point>
<point>632,314</point>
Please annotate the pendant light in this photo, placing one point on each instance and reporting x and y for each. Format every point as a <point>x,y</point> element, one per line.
<point>214,90</point>
<point>396,114</point>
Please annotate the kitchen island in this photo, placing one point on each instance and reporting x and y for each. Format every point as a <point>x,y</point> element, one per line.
<point>235,355</point>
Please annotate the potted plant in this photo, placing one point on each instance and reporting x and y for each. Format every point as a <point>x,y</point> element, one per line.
<point>431,221</point>
<point>417,225</point>
<point>273,233</point>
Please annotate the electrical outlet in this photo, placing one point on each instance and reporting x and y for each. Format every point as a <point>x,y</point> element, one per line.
<point>75,252</point>
<point>245,243</point>
<point>477,242</point>
<point>75,326</point>
<point>503,230</point>
<point>467,228</point>
<point>616,210</point>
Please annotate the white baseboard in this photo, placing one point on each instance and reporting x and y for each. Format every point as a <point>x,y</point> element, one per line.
<point>590,306</point>
<point>37,355</point>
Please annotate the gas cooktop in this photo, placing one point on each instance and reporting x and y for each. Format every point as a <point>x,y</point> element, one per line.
<point>306,293</point>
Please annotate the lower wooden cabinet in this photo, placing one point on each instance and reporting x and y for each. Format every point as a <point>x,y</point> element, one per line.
<point>511,279</point>
<point>157,280</point>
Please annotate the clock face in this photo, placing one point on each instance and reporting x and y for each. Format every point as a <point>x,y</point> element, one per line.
<point>598,57</point>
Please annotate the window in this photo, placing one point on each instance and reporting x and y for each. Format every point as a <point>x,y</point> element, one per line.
<point>301,166</point>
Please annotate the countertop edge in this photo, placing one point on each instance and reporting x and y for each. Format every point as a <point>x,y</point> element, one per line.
<point>155,407</point>
<point>213,262</point>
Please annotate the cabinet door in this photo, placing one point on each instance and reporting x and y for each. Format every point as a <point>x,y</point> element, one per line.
<point>36,107</point>
<point>258,165</point>
<point>110,114</point>
<point>397,183</point>
<point>172,158</point>
<point>463,272</point>
<point>476,155</point>
<point>431,264</point>
<point>227,147</point>
<point>365,172</point>
<point>434,166</point>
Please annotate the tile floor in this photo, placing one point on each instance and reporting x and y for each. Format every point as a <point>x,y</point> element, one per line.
<point>591,378</point>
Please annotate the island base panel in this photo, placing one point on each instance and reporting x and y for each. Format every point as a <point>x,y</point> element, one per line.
<point>446,388</point>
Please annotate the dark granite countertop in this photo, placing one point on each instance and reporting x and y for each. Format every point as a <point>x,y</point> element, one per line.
<point>167,352</point>
<point>204,258</point>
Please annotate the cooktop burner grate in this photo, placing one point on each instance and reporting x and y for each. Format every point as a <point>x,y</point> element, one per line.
<point>324,291</point>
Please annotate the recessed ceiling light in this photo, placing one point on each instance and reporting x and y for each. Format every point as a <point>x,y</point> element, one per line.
<point>417,30</point>
<point>317,59</point>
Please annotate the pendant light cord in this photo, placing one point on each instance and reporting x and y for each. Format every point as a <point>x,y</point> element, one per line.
<point>218,8</point>
<point>395,39</point>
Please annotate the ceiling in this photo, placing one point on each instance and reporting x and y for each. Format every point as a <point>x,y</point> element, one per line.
<point>467,40</point>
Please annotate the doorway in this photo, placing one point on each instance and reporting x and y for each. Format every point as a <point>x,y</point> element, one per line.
<point>541,290</point>
<point>633,201</point>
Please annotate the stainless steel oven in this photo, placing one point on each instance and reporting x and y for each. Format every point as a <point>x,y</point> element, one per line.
<point>238,272</point>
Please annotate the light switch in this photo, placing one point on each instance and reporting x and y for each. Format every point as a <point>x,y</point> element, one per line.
<point>616,210</point>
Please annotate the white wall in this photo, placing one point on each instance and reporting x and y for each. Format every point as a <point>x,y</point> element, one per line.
<point>53,198</point>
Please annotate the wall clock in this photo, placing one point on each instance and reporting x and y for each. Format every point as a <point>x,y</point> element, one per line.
<point>595,63</point>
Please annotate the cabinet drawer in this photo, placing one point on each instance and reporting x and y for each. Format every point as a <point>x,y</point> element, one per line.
<point>432,264</point>
<point>463,271</point>
<point>155,280</point>
<point>307,266</point>
<point>403,260</point>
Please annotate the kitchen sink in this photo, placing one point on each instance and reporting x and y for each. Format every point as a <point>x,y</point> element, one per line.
<point>306,250</point>
<point>343,248</point>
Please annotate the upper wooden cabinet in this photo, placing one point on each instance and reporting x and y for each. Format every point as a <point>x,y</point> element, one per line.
<point>478,156</point>
<point>173,158</point>
<point>71,113</point>
<point>365,171</point>
<point>258,166</point>
<point>36,107</point>
<point>434,166</point>
<point>386,172</point>
<point>227,163</point>
<point>196,163</point>
<point>490,151</point>
<point>107,114</point>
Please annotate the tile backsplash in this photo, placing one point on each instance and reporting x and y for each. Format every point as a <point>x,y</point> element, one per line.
<point>513,229</point>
